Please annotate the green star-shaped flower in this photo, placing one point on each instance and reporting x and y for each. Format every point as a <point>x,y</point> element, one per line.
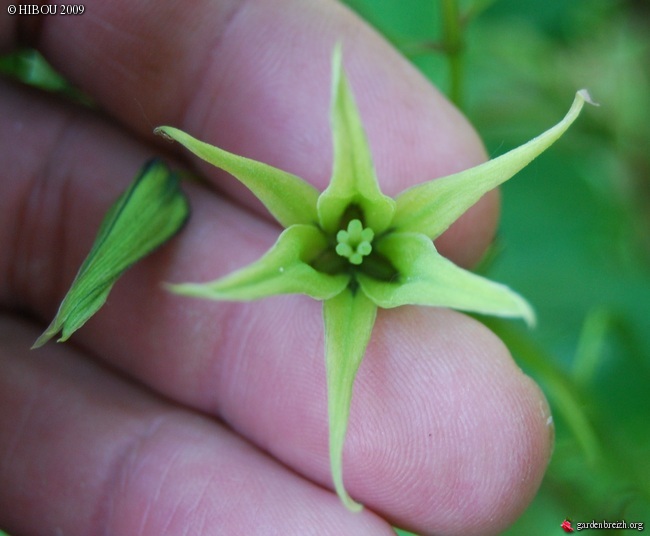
<point>356,249</point>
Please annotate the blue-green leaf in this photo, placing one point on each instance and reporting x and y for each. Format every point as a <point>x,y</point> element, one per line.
<point>148,213</point>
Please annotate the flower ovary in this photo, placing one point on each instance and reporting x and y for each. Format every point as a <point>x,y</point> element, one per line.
<point>354,243</point>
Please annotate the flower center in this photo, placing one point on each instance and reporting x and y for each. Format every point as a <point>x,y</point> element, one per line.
<point>355,242</point>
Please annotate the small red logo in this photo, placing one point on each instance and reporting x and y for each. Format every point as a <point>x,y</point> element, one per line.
<point>566,525</point>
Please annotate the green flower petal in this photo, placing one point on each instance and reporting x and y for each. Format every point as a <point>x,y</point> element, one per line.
<point>284,269</point>
<point>353,176</point>
<point>287,197</point>
<point>146,215</point>
<point>427,278</point>
<point>430,208</point>
<point>349,318</point>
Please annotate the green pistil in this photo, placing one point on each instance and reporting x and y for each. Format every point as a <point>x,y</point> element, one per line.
<point>355,243</point>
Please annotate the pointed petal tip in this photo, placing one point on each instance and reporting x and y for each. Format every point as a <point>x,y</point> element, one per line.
<point>526,311</point>
<point>204,291</point>
<point>586,96</point>
<point>162,132</point>
<point>169,286</point>
<point>530,317</point>
<point>47,335</point>
<point>337,51</point>
<point>349,502</point>
<point>185,289</point>
<point>38,343</point>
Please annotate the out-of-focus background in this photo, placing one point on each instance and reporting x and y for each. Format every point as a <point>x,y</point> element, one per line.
<point>575,233</point>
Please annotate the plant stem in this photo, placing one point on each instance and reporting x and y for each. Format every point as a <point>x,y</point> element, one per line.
<point>453,46</point>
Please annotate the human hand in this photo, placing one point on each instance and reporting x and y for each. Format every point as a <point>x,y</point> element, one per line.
<point>173,415</point>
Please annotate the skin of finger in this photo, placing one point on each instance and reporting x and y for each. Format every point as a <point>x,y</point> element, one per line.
<point>83,451</point>
<point>260,366</point>
<point>254,77</point>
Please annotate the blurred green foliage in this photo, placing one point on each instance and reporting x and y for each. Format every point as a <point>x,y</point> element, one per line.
<point>574,237</point>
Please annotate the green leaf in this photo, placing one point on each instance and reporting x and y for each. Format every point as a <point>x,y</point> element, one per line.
<point>349,318</point>
<point>287,197</point>
<point>353,176</point>
<point>427,278</point>
<point>430,208</point>
<point>148,213</point>
<point>284,269</point>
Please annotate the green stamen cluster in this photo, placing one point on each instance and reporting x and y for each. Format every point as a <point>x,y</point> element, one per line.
<point>355,243</point>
